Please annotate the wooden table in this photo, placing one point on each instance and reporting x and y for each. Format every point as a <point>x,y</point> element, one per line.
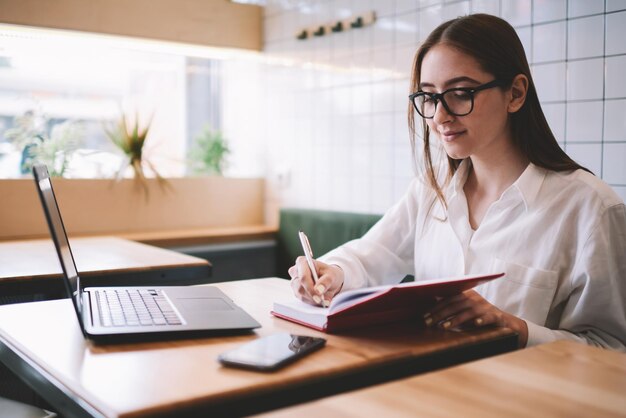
<point>29,267</point>
<point>42,343</point>
<point>560,379</point>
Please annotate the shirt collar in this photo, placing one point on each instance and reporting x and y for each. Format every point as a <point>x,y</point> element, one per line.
<point>529,183</point>
<point>458,180</point>
<point>526,186</point>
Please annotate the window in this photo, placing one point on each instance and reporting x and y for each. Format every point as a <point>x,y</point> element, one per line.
<point>89,81</point>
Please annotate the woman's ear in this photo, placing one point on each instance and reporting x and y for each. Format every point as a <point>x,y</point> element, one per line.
<point>519,88</point>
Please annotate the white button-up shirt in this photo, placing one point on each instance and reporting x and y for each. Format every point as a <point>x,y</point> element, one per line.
<point>559,237</point>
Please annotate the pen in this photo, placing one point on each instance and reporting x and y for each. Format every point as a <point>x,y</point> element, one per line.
<point>308,253</point>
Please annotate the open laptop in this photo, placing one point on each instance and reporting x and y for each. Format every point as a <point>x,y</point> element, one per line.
<point>120,314</point>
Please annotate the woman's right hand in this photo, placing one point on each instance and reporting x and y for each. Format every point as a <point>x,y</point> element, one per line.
<point>330,281</point>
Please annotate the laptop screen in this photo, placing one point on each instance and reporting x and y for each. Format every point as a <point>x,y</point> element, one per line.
<point>57,230</point>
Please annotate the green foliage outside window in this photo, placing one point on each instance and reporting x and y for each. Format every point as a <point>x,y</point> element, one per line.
<point>41,143</point>
<point>208,153</point>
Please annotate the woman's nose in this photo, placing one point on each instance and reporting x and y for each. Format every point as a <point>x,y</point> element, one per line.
<point>441,114</point>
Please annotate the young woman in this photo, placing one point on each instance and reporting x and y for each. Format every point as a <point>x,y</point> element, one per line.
<point>507,199</point>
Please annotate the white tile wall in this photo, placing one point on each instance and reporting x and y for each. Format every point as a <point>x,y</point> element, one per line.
<point>486,6</point>
<point>383,32</point>
<point>585,37</point>
<point>585,79</point>
<point>614,5</point>
<point>403,6</point>
<point>547,10</point>
<point>613,166</point>
<point>615,80</point>
<point>525,35</point>
<point>578,8</point>
<point>615,120</point>
<point>342,9</point>
<point>584,121</point>
<point>273,28</point>
<point>382,161</point>
<point>517,12</point>
<point>616,33</point>
<point>450,11</point>
<point>587,155</point>
<point>382,7</point>
<point>425,3</point>
<point>406,30</point>
<point>429,18</point>
<point>382,192</point>
<point>553,50</point>
<point>334,114</point>
<point>555,114</point>
<point>383,96</point>
<point>550,81</point>
<point>382,129</point>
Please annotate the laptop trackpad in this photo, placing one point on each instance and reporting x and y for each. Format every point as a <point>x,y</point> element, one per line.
<point>203,304</point>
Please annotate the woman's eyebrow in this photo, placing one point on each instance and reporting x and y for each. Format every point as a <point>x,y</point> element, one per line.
<point>450,82</point>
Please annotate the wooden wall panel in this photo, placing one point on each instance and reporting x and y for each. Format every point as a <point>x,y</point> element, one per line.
<point>219,23</point>
<point>99,206</point>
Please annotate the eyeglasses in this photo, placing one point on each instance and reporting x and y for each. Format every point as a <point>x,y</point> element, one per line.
<point>458,101</point>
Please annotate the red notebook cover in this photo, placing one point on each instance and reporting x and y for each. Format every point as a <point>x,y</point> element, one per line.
<point>377,305</point>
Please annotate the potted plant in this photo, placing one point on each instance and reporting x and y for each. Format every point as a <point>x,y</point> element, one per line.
<point>39,143</point>
<point>208,153</point>
<point>131,142</point>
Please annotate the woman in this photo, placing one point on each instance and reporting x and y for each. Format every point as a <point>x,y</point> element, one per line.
<point>508,199</point>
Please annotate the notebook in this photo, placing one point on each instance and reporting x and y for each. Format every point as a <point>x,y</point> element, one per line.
<point>121,314</point>
<point>376,305</point>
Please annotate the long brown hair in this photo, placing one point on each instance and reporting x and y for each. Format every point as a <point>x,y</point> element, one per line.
<point>495,45</point>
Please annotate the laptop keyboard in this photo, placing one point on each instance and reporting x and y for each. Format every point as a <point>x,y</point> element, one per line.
<point>135,307</point>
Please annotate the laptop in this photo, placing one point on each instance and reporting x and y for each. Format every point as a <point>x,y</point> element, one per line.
<point>121,314</point>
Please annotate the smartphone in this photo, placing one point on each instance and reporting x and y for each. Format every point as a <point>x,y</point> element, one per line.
<point>271,352</point>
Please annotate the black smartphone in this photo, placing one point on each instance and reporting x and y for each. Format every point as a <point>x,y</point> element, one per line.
<point>271,352</point>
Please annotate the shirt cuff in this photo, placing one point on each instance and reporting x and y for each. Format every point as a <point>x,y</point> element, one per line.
<point>539,335</point>
<point>352,277</point>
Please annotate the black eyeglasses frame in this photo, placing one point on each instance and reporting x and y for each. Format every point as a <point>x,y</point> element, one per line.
<point>438,97</point>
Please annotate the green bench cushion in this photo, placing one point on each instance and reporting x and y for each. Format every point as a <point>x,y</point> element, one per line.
<point>326,230</point>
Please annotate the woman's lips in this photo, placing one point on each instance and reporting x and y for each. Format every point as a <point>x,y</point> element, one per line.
<point>449,136</point>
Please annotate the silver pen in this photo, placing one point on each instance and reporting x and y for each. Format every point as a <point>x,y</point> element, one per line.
<point>308,253</point>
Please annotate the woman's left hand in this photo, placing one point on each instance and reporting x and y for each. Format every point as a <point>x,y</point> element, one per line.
<point>469,308</point>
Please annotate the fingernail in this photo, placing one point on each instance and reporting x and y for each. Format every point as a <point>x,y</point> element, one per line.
<point>428,321</point>
<point>426,315</point>
<point>447,324</point>
<point>317,299</point>
<point>479,321</point>
<point>327,302</point>
<point>320,289</point>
